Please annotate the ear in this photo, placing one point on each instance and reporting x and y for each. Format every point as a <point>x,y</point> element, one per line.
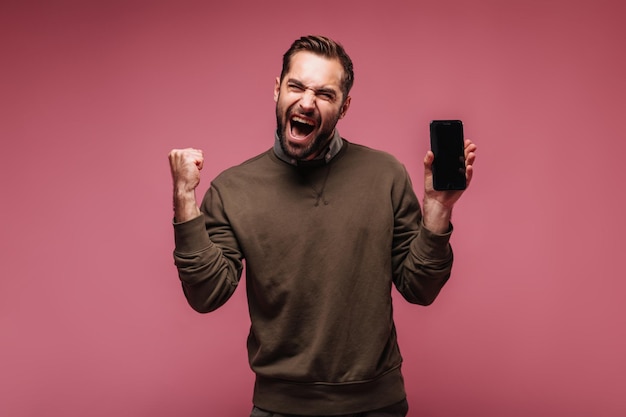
<point>276,89</point>
<point>344,107</point>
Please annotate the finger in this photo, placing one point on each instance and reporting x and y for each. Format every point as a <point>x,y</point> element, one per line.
<point>195,156</point>
<point>180,157</point>
<point>470,158</point>
<point>199,159</point>
<point>428,160</point>
<point>469,173</point>
<point>173,155</point>
<point>176,158</point>
<point>469,147</point>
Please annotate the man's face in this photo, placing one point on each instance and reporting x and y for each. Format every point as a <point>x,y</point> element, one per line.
<point>309,102</point>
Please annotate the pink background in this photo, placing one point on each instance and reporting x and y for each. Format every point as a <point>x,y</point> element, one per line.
<point>94,94</point>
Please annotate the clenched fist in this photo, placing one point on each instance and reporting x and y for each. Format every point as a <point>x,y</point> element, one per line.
<point>185,165</point>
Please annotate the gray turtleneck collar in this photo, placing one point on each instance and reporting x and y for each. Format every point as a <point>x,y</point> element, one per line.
<point>333,149</point>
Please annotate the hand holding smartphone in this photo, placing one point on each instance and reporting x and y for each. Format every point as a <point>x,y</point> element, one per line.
<point>447,144</point>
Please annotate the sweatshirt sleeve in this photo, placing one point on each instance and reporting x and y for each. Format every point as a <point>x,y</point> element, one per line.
<point>207,256</point>
<point>422,260</point>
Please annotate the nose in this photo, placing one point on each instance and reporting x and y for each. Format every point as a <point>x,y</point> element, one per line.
<point>307,101</point>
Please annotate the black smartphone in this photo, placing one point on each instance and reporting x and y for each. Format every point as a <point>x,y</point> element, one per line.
<point>447,143</point>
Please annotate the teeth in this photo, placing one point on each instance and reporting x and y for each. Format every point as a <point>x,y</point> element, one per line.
<point>300,120</point>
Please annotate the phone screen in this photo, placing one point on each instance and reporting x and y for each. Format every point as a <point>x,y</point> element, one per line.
<point>446,142</point>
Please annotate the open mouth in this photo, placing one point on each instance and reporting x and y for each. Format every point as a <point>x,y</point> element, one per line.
<point>301,127</point>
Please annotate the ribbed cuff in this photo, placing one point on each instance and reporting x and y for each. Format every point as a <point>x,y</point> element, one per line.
<point>191,236</point>
<point>433,245</point>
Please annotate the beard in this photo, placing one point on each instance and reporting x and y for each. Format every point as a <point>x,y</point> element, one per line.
<point>304,151</point>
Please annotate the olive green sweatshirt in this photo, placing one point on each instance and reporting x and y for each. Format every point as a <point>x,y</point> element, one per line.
<point>322,243</point>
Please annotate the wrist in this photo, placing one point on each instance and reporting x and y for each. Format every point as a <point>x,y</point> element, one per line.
<point>436,216</point>
<point>185,206</point>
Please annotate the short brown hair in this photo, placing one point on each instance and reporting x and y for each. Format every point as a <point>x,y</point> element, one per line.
<point>327,48</point>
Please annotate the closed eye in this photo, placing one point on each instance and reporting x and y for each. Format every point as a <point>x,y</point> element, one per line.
<point>295,86</point>
<point>326,95</point>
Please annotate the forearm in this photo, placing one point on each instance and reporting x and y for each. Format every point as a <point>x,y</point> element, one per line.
<point>208,280</point>
<point>209,274</point>
<point>426,268</point>
<point>185,205</point>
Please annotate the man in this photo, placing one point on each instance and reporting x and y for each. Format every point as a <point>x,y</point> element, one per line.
<point>325,227</point>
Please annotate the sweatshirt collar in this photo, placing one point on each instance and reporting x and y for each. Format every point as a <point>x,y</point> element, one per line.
<point>333,149</point>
